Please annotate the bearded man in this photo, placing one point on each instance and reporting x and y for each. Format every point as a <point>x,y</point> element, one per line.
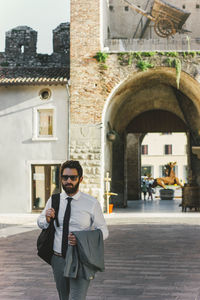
<point>77,212</point>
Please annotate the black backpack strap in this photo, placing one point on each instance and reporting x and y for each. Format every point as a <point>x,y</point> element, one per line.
<point>55,198</point>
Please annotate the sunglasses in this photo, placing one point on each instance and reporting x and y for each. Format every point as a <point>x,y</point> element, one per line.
<point>72,177</point>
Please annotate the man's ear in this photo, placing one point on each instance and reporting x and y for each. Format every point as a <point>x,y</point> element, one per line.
<point>81,178</point>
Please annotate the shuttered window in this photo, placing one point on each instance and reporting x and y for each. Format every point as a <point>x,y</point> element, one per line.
<point>144,149</point>
<point>168,149</point>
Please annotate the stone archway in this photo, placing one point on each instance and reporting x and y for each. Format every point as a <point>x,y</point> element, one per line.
<point>147,93</point>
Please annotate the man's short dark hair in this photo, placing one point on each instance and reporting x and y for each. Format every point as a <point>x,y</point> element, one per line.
<point>72,164</point>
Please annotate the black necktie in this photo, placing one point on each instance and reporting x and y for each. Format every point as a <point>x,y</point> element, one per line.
<point>66,227</point>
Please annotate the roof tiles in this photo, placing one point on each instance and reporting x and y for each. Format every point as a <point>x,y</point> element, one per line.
<point>32,76</point>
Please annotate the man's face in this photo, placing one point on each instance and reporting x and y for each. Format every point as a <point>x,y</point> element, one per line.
<point>70,181</point>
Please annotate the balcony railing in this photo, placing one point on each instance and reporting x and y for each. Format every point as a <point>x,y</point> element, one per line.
<point>131,45</point>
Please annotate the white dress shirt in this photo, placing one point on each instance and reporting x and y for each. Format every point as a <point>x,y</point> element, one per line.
<point>86,214</point>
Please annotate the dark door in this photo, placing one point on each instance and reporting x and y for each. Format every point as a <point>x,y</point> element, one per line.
<point>45,182</point>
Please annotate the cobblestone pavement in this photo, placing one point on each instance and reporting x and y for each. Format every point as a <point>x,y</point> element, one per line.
<point>146,258</point>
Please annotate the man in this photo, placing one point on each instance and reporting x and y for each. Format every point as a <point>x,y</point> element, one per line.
<point>85,215</point>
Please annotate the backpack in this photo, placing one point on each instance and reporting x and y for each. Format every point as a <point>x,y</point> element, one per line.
<point>46,238</point>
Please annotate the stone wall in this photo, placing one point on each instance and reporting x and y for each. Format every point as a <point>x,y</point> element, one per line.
<point>84,77</point>
<point>96,83</point>
<point>96,96</point>
<point>86,147</point>
<point>21,45</point>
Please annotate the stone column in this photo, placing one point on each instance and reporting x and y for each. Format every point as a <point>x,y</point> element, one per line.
<point>86,101</point>
<point>133,166</point>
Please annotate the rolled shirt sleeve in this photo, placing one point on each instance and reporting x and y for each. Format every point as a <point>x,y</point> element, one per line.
<point>99,221</point>
<point>42,221</point>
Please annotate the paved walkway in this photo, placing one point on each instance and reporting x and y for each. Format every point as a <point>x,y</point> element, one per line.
<point>148,256</point>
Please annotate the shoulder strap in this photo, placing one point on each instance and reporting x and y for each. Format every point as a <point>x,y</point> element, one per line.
<point>55,204</point>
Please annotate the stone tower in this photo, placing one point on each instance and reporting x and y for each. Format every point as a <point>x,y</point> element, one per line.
<point>21,40</point>
<point>86,102</point>
<point>60,42</point>
<point>84,44</point>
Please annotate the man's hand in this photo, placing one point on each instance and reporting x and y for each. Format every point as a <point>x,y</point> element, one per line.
<point>50,213</point>
<point>72,239</point>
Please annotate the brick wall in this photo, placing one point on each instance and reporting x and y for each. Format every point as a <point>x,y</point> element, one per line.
<point>91,85</point>
<point>84,77</point>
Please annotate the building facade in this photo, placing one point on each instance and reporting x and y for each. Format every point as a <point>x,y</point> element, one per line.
<point>111,95</point>
<point>33,119</point>
<point>116,98</point>
<point>158,149</point>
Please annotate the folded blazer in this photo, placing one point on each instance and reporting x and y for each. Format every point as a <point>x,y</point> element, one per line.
<point>87,257</point>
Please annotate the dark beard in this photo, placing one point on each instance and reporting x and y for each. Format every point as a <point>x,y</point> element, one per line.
<point>71,189</point>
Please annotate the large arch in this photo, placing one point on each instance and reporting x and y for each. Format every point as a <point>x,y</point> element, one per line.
<point>146,94</point>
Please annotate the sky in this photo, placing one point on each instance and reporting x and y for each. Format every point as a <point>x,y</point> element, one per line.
<point>41,15</point>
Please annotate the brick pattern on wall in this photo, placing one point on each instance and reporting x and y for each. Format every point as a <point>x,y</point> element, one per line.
<point>84,76</point>
<point>92,83</point>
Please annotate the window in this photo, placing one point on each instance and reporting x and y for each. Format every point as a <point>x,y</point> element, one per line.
<point>22,49</point>
<point>162,171</point>
<point>183,6</point>
<point>45,94</point>
<point>146,171</point>
<point>144,149</point>
<point>168,149</point>
<point>44,124</point>
<point>45,119</point>
<point>126,8</point>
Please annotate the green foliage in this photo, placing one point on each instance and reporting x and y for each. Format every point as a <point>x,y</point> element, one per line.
<point>126,58</point>
<point>178,71</point>
<point>103,66</point>
<point>148,54</point>
<point>170,62</point>
<point>172,54</point>
<point>137,55</point>
<point>101,56</point>
<point>130,59</point>
<point>184,54</point>
<point>162,53</point>
<point>144,65</point>
<point>192,53</point>
<point>176,63</point>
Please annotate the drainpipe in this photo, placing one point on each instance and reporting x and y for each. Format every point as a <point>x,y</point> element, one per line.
<point>68,119</point>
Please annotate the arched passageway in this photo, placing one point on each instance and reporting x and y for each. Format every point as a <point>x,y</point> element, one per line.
<point>147,102</point>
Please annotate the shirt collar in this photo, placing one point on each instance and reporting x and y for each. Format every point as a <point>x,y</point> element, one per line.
<point>75,197</point>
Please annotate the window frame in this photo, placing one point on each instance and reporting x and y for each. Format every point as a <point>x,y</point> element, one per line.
<point>146,149</point>
<point>167,152</point>
<point>36,124</point>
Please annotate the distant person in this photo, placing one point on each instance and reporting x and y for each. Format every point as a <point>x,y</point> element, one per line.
<point>81,223</point>
<point>150,191</point>
<point>144,190</point>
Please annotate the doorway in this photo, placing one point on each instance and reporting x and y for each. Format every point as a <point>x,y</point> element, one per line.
<point>144,103</point>
<point>45,182</point>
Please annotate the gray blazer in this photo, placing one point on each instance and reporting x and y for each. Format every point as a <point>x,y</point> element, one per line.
<point>87,257</point>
